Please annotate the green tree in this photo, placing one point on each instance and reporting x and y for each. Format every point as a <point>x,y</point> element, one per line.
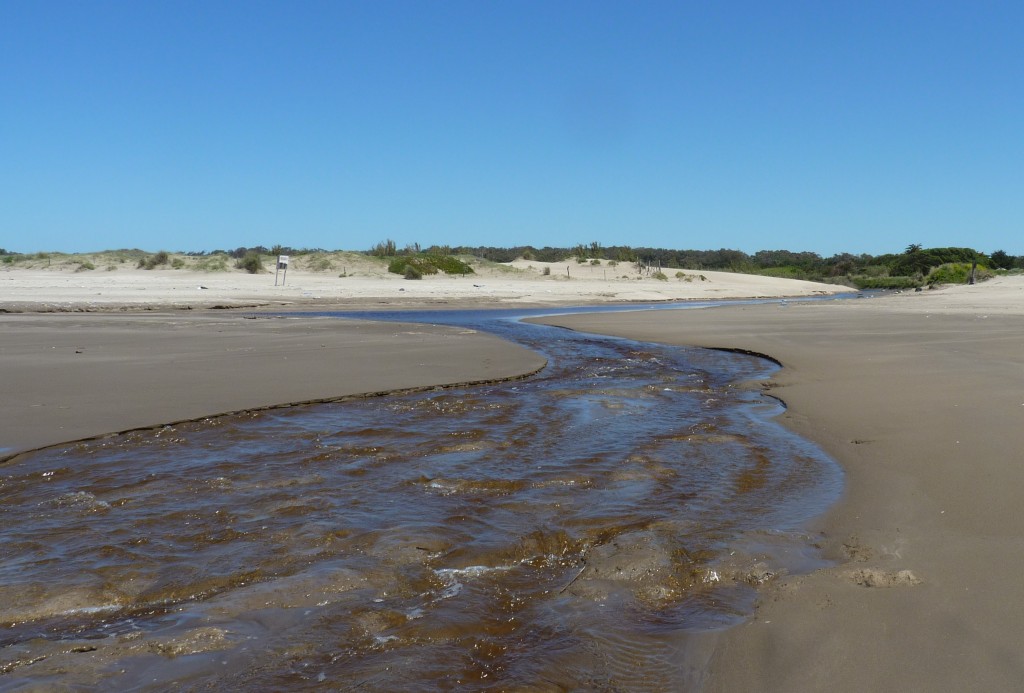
<point>1000,260</point>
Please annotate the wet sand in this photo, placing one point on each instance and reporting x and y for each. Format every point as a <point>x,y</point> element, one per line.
<point>920,397</point>
<point>70,376</point>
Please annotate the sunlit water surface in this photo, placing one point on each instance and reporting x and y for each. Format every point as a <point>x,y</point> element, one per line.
<point>562,532</point>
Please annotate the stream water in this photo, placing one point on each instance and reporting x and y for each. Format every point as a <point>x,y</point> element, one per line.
<point>562,532</point>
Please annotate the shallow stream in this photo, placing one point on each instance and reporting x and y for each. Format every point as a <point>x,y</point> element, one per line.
<point>562,532</point>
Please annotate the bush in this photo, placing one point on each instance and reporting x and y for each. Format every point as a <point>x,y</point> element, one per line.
<point>401,264</point>
<point>956,273</point>
<point>251,262</point>
<point>786,272</point>
<point>862,282</point>
<point>429,264</point>
<point>84,266</point>
<point>919,261</point>
<point>449,264</point>
<point>177,263</point>
<point>660,276</point>
<point>154,261</point>
<point>412,272</point>
<point>546,272</point>
<point>385,248</point>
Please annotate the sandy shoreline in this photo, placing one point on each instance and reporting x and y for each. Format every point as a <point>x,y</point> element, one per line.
<point>921,399</point>
<point>72,376</point>
<point>919,396</point>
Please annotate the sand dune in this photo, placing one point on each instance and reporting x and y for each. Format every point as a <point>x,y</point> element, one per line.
<point>368,285</point>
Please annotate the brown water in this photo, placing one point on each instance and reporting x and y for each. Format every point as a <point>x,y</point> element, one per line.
<point>564,532</point>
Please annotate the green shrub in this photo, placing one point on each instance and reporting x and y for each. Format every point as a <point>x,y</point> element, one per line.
<point>8,259</point>
<point>429,264</point>
<point>874,271</point>
<point>85,266</point>
<point>250,262</point>
<point>660,276</point>
<point>413,272</point>
<point>153,261</point>
<point>449,264</point>
<point>177,263</point>
<point>595,262</point>
<point>399,265</point>
<point>546,272</point>
<point>862,282</point>
<point>787,272</point>
<point>956,273</point>
<point>917,260</point>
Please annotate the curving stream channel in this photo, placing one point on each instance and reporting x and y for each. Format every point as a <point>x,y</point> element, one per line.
<point>562,532</point>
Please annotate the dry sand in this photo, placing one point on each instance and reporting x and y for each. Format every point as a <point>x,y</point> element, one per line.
<point>920,397</point>
<point>370,286</point>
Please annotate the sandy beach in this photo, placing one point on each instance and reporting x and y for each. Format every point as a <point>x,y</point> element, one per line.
<point>366,284</point>
<point>917,395</point>
<point>920,397</point>
<point>84,352</point>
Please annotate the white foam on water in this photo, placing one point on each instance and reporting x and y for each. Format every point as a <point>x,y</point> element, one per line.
<point>87,610</point>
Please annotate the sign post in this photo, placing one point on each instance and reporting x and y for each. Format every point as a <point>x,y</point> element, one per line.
<point>282,264</point>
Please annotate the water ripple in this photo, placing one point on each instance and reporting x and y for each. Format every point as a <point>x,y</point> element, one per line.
<point>555,533</point>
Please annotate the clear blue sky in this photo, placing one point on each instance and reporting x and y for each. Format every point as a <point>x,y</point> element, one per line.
<point>823,126</point>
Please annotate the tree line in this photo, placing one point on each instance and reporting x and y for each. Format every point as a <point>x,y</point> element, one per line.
<point>914,266</point>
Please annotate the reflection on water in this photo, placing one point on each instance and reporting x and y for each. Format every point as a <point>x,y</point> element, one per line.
<point>562,532</point>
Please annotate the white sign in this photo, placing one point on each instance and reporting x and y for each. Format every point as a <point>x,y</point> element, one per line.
<point>282,264</point>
